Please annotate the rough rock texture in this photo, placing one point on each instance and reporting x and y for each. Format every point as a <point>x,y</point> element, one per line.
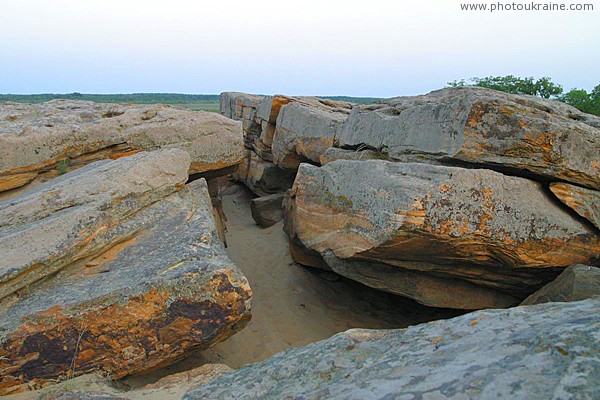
<point>546,351</point>
<point>286,130</point>
<point>44,140</point>
<point>268,111</point>
<point>263,177</point>
<point>93,386</point>
<point>447,231</point>
<point>123,268</point>
<point>267,210</point>
<point>304,131</point>
<point>479,226</point>
<point>191,379</point>
<point>482,126</point>
<point>578,282</point>
<point>584,202</point>
<point>243,107</point>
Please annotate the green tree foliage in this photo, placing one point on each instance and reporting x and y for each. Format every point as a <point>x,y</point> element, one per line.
<point>543,87</point>
<point>582,100</point>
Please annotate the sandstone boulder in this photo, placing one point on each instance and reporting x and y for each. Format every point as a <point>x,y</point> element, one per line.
<point>304,131</point>
<point>535,352</point>
<point>266,210</point>
<point>41,141</point>
<point>263,177</point>
<point>474,226</point>
<point>578,282</point>
<point>243,107</point>
<point>115,267</point>
<point>482,127</point>
<point>584,202</point>
<point>268,111</point>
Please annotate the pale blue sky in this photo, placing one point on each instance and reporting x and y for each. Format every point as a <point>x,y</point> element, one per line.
<point>369,48</point>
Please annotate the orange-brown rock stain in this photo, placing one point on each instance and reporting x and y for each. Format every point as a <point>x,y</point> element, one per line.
<point>118,337</point>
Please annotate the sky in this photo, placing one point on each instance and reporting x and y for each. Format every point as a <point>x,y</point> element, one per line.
<point>357,48</point>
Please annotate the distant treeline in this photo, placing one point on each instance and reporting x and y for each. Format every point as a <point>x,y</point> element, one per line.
<point>359,100</point>
<point>146,98</point>
<point>139,98</point>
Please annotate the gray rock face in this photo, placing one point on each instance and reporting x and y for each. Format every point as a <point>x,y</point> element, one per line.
<point>578,282</point>
<point>547,351</point>
<point>41,141</point>
<point>471,225</point>
<point>304,132</point>
<point>115,267</point>
<point>483,126</point>
<point>243,107</point>
<point>266,210</point>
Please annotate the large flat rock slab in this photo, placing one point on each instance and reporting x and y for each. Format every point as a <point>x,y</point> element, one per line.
<point>476,225</point>
<point>116,267</point>
<point>41,141</point>
<point>535,352</point>
<point>482,126</point>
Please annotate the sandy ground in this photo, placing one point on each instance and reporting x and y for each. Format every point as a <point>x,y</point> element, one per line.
<point>292,305</point>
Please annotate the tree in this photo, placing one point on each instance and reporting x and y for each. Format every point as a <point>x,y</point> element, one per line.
<point>544,87</point>
<point>583,101</point>
<point>579,99</point>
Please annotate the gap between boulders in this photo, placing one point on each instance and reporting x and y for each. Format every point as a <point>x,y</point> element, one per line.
<point>292,305</point>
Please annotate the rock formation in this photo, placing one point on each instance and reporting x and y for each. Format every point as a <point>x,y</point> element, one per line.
<point>279,133</point>
<point>584,202</point>
<point>483,127</point>
<point>267,210</point>
<point>41,141</point>
<point>115,267</point>
<point>463,198</point>
<point>93,386</point>
<point>578,282</point>
<point>544,351</point>
<point>476,225</point>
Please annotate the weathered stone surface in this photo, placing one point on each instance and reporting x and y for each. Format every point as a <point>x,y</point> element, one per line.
<point>44,140</point>
<point>578,282</point>
<point>269,107</point>
<point>333,153</point>
<point>124,273</point>
<point>483,126</point>
<point>190,379</point>
<point>304,131</point>
<point>535,352</point>
<point>263,177</point>
<point>266,210</point>
<point>584,202</point>
<point>243,107</point>
<point>476,225</point>
<point>96,387</point>
<point>81,213</point>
